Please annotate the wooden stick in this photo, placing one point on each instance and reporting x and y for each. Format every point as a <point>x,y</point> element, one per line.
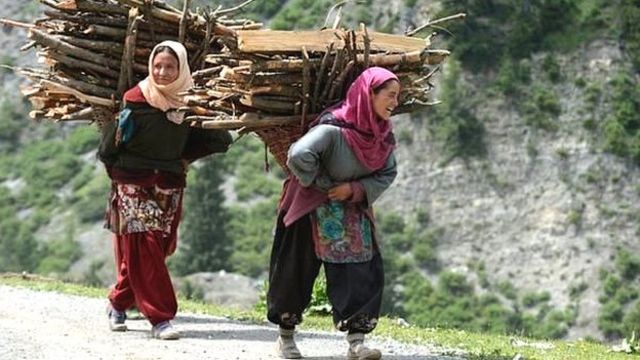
<point>200,59</point>
<point>84,114</point>
<point>233,9</point>
<point>287,65</point>
<point>320,75</point>
<point>248,120</point>
<point>281,105</point>
<point>434,22</point>
<point>337,61</point>
<point>306,79</point>
<point>156,12</point>
<point>8,22</point>
<point>82,65</point>
<point>174,17</point>
<point>367,45</point>
<point>92,6</point>
<point>127,77</point>
<point>337,84</point>
<point>50,3</point>
<point>85,87</point>
<point>28,46</point>
<point>182,33</point>
<point>85,19</point>
<point>80,96</point>
<point>252,26</point>
<point>206,72</point>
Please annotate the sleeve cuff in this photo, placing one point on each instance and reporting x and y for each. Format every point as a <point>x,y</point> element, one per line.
<point>358,193</point>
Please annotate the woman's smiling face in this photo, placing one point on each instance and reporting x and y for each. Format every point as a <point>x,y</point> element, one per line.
<point>165,68</point>
<point>385,100</point>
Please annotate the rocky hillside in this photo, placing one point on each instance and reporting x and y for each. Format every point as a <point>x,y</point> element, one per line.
<point>544,211</point>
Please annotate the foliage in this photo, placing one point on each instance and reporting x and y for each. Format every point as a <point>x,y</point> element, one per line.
<point>60,254</point>
<point>532,299</point>
<point>628,12</point>
<point>301,14</point>
<point>9,125</point>
<point>541,108</point>
<point>454,122</point>
<point>511,74</point>
<point>620,309</point>
<point>501,27</point>
<point>622,127</point>
<point>319,299</point>
<point>205,245</point>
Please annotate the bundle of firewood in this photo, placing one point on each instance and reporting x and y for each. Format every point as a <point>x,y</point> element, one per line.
<point>270,82</point>
<point>277,77</point>
<point>96,49</point>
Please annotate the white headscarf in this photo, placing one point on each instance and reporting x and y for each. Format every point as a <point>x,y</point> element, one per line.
<point>165,97</point>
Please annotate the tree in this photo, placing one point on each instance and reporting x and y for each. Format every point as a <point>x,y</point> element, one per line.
<point>204,245</point>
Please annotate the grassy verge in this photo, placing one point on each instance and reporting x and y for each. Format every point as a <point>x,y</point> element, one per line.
<point>474,345</point>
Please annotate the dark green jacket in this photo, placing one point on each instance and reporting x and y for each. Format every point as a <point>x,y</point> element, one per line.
<point>156,143</point>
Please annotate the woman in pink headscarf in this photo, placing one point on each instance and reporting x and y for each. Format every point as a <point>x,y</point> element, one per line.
<point>146,153</point>
<point>338,169</point>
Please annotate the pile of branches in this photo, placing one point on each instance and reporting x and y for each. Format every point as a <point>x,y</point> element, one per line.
<point>96,49</point>
<point>246,78</point>
<point>274,78</point>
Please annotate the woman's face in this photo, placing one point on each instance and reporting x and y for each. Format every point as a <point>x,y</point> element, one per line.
<point>165,68</point>
<point>386,100</point>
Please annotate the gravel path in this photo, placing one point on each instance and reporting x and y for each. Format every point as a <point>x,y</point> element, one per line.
<point>48,325</point>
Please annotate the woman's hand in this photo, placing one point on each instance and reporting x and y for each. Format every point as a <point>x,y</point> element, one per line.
<point>341,192</point>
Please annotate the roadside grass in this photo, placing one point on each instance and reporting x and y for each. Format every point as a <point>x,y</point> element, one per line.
<point>473,346</point>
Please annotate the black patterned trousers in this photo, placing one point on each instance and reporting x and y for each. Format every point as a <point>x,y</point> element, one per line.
<point>354,289</point>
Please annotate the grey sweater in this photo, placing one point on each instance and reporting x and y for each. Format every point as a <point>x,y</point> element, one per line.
<point>323,158</point>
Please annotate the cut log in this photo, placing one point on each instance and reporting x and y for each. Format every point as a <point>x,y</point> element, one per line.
<point>127,79</point>
<point>270,42</point>
<point>80,96</point>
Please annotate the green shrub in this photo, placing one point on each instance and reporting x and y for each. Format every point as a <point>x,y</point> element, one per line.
<point>454,284</point>
<point>83,139</point>
<point>532,299</point>
<point>610,319</point>
<point>90,201</point>
<point>60,254</point>
<point>410,3</point>
<point>319,299</point>
<point>552,68</point>
<point>454,122</point>
<point>507,289</point>
<point>577,289</point>
<point>301,14</point>
<point>628,264</point>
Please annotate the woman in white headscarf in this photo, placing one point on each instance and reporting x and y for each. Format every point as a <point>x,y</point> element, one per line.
<point>145,153</point>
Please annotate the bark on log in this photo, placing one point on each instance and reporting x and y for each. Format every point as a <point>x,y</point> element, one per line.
<point>92,6</point>
<point>82,65</point>
<point>54,43</point>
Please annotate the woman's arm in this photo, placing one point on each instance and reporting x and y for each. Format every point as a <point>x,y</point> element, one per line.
<point>108,151</point>
<point>304,157</point>
<point>369,188</point>
<point>202,142</point>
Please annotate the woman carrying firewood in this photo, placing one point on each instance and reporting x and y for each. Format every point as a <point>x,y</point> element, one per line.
<point>338,169</point>
<point>146,153</point>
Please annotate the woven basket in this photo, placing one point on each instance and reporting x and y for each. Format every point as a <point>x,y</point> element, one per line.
<point>279,139</point>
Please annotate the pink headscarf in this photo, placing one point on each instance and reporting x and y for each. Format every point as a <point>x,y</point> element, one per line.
<point>369,138</point>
